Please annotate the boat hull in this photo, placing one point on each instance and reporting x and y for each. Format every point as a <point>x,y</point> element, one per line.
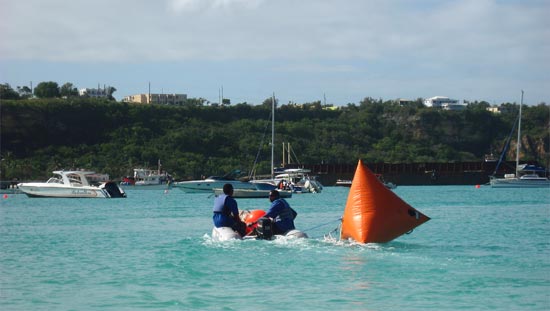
<point>208,186</point>
<point>50,191</point>
<point>145,187</point>
<point>72,184</point>
<point>228,234</point>
<point>519,183</point>
<point>297,234</point>
<point>225,234</point>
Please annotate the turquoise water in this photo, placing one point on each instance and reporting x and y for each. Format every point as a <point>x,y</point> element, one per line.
<point>483,249</point>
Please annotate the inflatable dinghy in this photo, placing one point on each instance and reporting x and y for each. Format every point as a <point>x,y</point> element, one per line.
<point>257,227</point>
<point>225,234</point>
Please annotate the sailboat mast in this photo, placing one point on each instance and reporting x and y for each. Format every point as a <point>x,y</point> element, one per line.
<point>518,146</point>
<point>159,165</point>
<point>284,158</point>
<point>288,153</point>
<point>272,134</point>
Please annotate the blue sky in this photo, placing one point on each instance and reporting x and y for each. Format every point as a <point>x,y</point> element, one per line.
<point>303,51</point>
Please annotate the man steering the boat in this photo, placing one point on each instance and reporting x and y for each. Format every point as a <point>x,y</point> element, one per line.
<point>282,214</point>
<point>226,211</point>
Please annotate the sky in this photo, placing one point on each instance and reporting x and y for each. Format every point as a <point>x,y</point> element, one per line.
<point>333,51</point>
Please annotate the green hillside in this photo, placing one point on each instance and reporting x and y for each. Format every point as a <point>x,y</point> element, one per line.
<point>40,135</point>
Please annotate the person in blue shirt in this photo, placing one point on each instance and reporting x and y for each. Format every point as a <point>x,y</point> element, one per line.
<point>226,211</point>
<point>281,213</point>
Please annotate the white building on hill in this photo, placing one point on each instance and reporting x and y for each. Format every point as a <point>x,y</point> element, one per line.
<point>94,93</point>
<point>444,103</point>
<point>166,99</point>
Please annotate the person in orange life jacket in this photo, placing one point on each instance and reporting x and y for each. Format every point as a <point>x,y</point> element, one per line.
<point>282,214</point>
<point>226,211</point>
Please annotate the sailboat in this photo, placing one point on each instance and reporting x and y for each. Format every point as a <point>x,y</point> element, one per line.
<point>258,189</point>
<point>375,214</point>
<point>526,176</point>
<point>295,180</point>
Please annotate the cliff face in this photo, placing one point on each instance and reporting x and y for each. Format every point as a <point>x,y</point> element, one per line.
<point>532,149</point>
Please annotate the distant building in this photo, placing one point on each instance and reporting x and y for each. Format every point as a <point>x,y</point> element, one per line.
<point>161,99</point>
<point>499,109</point>
<point>404,102</point>
<point>494,109</point>
<point>95,93</point>
<point>444,103</point>
<point>331,107</point>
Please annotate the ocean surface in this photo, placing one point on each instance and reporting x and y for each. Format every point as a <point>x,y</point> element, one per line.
<point>483,249</point>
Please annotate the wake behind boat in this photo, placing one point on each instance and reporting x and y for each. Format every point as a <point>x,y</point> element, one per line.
<point>72,184</point>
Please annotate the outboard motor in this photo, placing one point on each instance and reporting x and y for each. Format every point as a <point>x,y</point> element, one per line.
<point>114,190</point>
<point>264,229</point>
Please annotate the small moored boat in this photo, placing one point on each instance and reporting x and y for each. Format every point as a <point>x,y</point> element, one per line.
<point>213,182</point>
<point>146,179</point>
<point>72,184</point>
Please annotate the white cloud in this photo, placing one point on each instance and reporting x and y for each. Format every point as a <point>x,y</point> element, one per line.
<point>179,30</point>
<point>432,42</point>
<point>181,6</point>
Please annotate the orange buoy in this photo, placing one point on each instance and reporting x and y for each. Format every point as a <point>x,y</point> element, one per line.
<point>375,214</point>
<point>251,219</point>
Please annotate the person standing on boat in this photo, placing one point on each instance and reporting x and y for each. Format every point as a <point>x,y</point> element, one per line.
<point>282,214</point>
<point>226,211</point>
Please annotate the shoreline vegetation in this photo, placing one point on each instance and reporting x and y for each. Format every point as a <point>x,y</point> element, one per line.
<point>193,140</point>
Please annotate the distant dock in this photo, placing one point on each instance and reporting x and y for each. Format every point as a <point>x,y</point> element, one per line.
<point>415,174</point>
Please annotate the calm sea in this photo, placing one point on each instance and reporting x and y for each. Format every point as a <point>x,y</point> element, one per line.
<point>483,249</point>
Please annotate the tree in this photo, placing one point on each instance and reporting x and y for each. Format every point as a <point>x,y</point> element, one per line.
<point>47,90</point>
<point>110,90</point>
<point>6,92</point>
<point>24,92</point>
<point>68,90</point>
<point>195,102</point>
<point>268,101</point>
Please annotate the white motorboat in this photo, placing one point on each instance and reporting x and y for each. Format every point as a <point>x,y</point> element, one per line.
<point>72,184</point>
<point>299,177</point>
<point>211,183</point>
<point>294,179</point>
<point>347,182</point>
<point>215,182</point>
<point>146,179</point>
<point>526,176</point>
